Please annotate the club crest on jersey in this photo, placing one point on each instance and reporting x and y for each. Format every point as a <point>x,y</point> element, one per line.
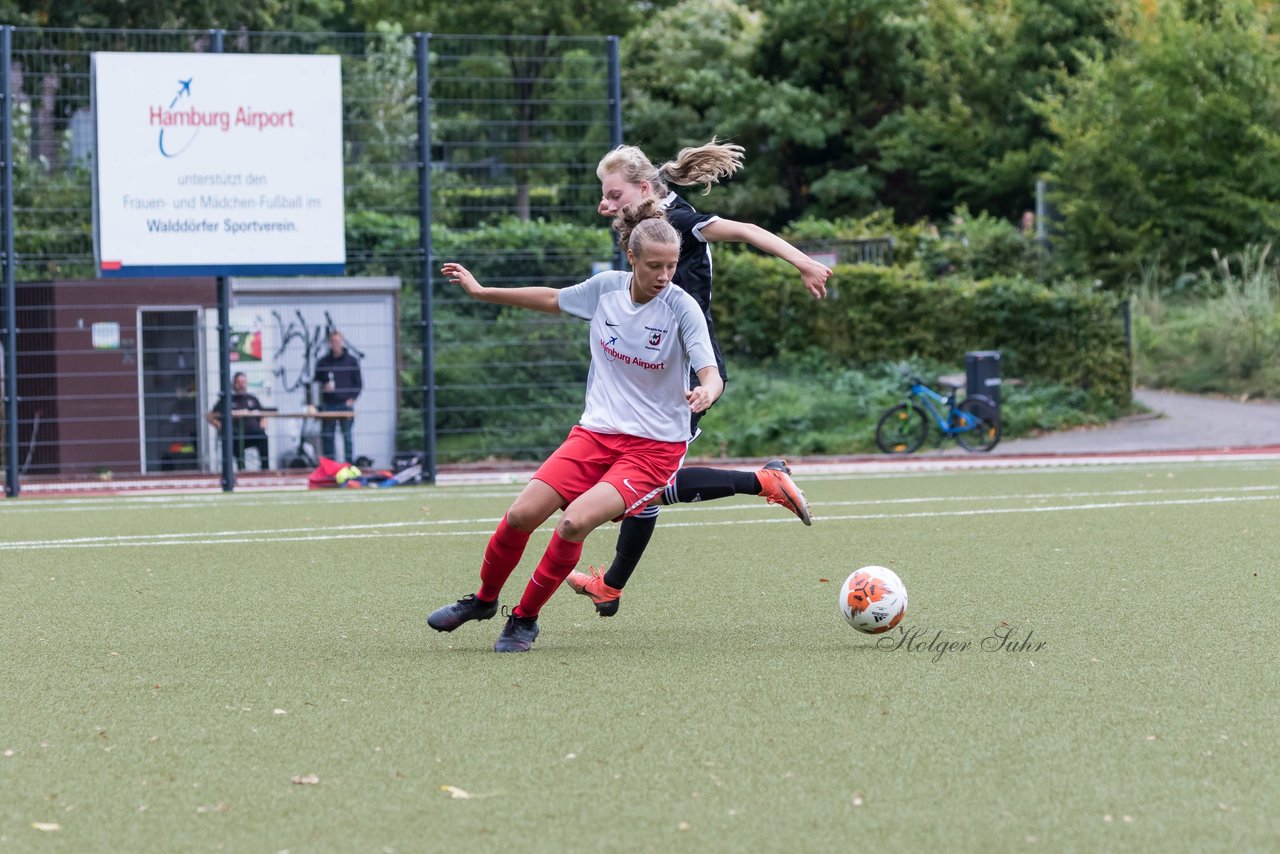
<point>655,337</point>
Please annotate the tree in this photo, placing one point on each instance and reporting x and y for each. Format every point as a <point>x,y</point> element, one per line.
<point>969,133</point>
<point>1169,149</point>
<point>254,15</point>
<point>834,70</point>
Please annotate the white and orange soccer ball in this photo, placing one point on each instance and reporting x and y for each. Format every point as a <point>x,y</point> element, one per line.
<point>873,599</point>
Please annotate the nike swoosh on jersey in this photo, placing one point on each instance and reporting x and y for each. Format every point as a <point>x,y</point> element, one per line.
<point>610,323</point>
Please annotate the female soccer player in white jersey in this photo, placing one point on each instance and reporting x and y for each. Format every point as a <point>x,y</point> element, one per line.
<point>627,177</point>
<point>646,336</point>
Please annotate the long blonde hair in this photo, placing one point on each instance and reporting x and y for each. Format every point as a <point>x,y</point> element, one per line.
<point>705,164</point>
<point>643,223</point>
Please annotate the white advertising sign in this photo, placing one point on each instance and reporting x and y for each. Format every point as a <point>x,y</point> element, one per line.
<point>218,164</point>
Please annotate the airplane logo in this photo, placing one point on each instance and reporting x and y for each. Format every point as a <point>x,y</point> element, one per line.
<point>612,341</point>
<point>184,90</point>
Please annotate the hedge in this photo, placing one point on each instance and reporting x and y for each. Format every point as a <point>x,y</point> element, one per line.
<point>1068,333</point>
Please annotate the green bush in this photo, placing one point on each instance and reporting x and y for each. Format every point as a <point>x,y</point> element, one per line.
<point>462,206</point>
<point>978,247</point>
<point>1067,334</point>
<point>802,408</point>
<point>1220,334</point>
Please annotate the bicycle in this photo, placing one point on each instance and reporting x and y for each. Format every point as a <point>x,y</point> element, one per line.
<point>975,423</point>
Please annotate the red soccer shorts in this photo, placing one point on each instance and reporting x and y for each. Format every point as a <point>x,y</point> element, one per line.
<point>638,468</point>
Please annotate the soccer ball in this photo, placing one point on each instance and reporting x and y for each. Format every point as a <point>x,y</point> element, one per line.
<point>873,599</point>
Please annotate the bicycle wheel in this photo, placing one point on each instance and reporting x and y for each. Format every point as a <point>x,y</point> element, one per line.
<point>902,429</point>
<point>985,432</point>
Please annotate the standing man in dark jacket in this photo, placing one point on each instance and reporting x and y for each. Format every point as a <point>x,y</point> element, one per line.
<point>338,374</point>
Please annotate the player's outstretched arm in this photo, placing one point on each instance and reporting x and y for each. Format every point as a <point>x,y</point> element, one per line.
<point>537,299</point>
<point>812,273</point>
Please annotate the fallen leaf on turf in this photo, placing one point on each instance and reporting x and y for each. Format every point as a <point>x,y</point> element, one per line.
<point>305,779</point>
<point>279,712</point>
<point>684,825</point>
<point>455,793</point>
<point>46,826</point>
<point>857,799</point>
<point>824,580</point>
<point>7,753</point>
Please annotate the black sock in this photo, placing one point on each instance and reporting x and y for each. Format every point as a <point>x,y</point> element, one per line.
<point>699,484</point>
<point>633,539</point>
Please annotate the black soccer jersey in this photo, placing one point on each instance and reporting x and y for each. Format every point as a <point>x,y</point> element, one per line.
<point>693,269</point>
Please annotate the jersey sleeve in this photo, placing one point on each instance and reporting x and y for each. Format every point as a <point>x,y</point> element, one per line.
<point>688,221</point>
<point>580,300</point>
<point>694,334</point>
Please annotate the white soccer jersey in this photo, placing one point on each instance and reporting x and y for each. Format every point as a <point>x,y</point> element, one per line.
<point>641,356</point>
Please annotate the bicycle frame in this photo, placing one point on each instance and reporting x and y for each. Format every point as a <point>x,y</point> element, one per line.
<point>955,421</point>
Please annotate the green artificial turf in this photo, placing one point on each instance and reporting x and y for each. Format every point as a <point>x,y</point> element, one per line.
<point>171,665</point>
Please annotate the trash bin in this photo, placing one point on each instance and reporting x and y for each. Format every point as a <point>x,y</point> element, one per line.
<point>982,374</point>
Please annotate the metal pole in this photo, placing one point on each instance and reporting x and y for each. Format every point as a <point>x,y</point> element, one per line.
<point>224,354</point>
<point>615,121</point>
<point>224,379</point>
<point>422,42</point>
<point>10,290</point>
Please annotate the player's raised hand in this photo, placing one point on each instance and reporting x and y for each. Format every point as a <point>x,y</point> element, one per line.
<point>814,274</point>
<point>460,275</point>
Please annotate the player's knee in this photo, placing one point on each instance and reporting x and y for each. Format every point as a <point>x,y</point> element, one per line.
<point>572,529</point>
<point>520,520</point>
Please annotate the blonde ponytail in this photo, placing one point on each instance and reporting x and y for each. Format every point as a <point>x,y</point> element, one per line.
<point>704,164</point>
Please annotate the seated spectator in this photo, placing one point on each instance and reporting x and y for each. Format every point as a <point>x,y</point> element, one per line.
<point>248,430</point>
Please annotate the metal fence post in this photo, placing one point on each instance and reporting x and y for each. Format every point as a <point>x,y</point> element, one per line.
<point>422,43</point>
<point>615,121</point>
<point>10,290</point>
<point>224,354</point>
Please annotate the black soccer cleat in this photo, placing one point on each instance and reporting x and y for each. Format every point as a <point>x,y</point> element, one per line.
<point>467,608</point>
<point>517,635</point>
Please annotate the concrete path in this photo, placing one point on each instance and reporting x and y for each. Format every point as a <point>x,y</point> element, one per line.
<point>1176,422</point>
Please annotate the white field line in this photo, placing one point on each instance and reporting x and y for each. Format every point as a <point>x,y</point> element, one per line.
<point>484,487</point>
<point>189,502</point>
<point>860,468</point>
<point>745,503</point>
<point>384,530</point>
<point>478,492</point>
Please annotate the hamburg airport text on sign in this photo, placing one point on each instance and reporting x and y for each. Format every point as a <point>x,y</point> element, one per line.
<point>218,164</point>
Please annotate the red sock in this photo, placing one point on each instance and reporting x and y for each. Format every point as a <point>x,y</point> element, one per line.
<point>557,562</point>
<point>505,548</point>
